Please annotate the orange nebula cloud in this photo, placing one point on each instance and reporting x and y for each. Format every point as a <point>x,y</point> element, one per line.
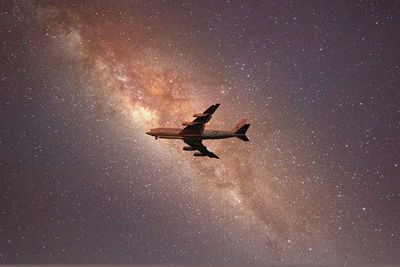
<point>147,87</point>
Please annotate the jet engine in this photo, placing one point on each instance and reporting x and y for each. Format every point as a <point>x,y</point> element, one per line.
<point>198,154</point>
<point>201,115</point>
<point>188,148</point>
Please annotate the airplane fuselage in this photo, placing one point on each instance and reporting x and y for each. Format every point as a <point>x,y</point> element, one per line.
<point>175,133</point>
<point>194,133</point>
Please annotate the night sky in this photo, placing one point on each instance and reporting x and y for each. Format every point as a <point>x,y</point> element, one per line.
<point>318,183</point>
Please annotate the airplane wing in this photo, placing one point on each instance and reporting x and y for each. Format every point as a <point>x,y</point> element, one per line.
<point>198,145</point>
<point>196,127</point>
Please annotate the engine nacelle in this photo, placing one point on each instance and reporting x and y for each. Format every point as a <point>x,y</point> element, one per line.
<point>198,154</point>
<point>188,148</point>
<point>200,115</point>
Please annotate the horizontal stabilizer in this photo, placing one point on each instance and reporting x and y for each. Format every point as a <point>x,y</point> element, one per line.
<point>243,129</point>
<point>243,137</point>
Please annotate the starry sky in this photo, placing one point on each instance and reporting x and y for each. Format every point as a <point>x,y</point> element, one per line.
<point>319,182</point>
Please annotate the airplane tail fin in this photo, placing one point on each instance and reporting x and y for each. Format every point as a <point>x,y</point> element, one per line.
<point>239,125</point>
<point>241,128</point>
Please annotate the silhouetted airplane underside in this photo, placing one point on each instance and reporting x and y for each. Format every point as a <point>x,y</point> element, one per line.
<point>194,133</point>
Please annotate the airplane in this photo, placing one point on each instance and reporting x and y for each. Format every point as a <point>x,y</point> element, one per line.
<point>194,133</point>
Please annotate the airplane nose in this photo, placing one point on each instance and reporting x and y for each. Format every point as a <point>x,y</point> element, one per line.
<point>148,132</point>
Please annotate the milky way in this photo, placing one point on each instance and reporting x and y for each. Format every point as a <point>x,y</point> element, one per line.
<point>82,183</point>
